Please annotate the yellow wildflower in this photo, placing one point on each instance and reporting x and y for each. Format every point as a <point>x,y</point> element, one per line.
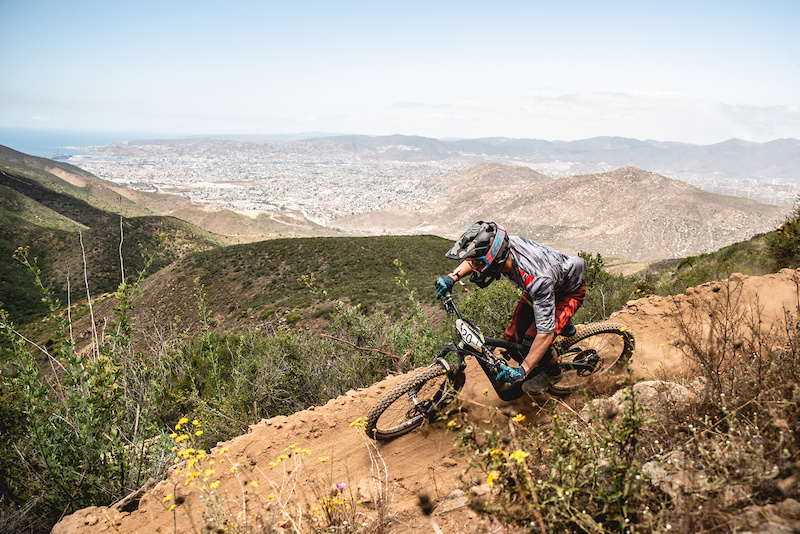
<point>254,483</point>
<point>214,485</point>
<point>324,458</point>
<point>359,423</point>
<point>494,475</point>
<point>167,498</point>
<point>518,418</point>
<point>519,456</point>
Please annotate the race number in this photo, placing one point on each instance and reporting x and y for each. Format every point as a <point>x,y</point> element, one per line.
<point>469,336</point>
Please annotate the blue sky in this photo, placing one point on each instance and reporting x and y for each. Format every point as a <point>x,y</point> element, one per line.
<point>694,71</point>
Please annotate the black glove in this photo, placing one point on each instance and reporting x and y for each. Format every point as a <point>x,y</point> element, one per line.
<point>443,285</point>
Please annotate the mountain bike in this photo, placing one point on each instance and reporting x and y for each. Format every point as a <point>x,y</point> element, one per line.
<point>584,355</point>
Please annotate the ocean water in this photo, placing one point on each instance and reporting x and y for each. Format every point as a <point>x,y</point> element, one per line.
<point>45,143</point>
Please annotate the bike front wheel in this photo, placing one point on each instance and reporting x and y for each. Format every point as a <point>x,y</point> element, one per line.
<point>598,351</point>
<point>408,404</point>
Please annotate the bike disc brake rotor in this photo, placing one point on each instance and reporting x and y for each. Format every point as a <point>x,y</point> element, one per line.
<point>418,406</point>
<point>588,357</point>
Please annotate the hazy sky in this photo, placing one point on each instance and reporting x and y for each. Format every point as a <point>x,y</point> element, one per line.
<point>671,70</point>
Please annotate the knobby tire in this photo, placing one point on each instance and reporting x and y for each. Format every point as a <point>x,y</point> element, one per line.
<point>396,413</point>
<point>614,344</point>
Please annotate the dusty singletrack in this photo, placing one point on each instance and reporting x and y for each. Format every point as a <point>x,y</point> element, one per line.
<point>334,452</point>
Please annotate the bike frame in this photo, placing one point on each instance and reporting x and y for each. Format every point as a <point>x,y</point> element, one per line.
<point>469,341</point>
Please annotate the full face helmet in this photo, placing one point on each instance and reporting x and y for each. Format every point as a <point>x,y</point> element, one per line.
<point>485,246</point>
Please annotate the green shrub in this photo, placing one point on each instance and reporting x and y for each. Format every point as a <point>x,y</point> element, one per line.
<point>565,476</point>
<point>606,297</point>
<point>784,243</point>
<point>491,308</point>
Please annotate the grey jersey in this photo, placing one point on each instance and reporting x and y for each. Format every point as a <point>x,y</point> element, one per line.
<point>543,273</point>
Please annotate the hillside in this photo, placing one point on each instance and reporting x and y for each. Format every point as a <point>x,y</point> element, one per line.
<point>72,221</point>
<point>42,178</point>
<point>426,459</point>
<point>53,181</point>
<point>256,285</point>
<point>627,213</point>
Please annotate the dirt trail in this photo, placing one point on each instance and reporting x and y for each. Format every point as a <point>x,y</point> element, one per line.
<point>426,458</point>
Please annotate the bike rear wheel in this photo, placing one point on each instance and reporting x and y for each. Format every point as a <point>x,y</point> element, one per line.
<point>606,346</point>
<point>408,404</point>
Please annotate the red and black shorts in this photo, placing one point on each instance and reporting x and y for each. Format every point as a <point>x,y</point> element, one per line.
<point>523,320</point>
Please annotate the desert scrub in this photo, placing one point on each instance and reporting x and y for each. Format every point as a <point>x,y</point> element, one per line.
<point>399,344</point>
<point>567,476</point>
<point>784,243</point>
<point>69,425</point>
<point>738,447</point>
<point>242,506</point>
<point>232,380</point>
<point>247,499</point>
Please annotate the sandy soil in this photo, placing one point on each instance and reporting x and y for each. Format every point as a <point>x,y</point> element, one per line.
<point>425,459</point>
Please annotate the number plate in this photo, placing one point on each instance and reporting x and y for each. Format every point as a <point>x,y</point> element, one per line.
<point>469,336</point>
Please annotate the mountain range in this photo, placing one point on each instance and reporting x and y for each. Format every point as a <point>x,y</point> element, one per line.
<point>627,213</point>
<point>734,158</point>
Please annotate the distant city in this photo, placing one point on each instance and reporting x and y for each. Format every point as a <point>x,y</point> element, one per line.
<point>325,181</point>
<point>253,177</point>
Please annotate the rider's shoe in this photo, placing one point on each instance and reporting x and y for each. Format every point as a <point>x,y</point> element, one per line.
<point>511,375</point>
<point>539,383</point>
<point>569,330</point>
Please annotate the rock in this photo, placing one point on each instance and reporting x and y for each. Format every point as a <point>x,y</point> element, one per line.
<point>456,499</point>
<point>369,491</point>
<point>775,528</point>
<point>481,490</point>
<point>678,485</point>
<point>662,400</point>
<point>789,508</point>
<point>88,517</point>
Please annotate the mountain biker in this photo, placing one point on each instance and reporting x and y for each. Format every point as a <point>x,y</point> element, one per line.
<point>552,291</point>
